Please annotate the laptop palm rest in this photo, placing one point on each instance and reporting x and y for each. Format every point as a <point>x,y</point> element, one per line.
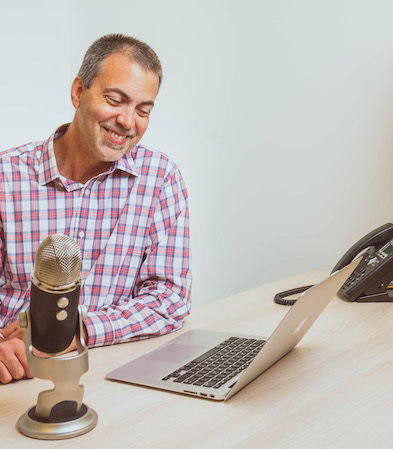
<point>174,352</point>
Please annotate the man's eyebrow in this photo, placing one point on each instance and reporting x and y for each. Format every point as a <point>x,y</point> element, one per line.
<point>125,96</point>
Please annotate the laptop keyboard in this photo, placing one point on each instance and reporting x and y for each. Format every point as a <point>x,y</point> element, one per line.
<point>218,365</point>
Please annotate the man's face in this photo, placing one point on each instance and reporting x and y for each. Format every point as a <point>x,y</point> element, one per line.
<point>113,114</point>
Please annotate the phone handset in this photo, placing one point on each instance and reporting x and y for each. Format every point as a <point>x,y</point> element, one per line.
<point>370,280</point>
<point>373,240</point>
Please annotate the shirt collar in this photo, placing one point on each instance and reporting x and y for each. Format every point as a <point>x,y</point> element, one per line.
<point>127,164</point>
<point>48,170</point>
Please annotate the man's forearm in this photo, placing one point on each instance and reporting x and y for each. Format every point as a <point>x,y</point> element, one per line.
<point>144,316</point>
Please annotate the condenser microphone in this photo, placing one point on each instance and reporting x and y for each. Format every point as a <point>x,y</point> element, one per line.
<point>52,322</point>
<point>54,297</point>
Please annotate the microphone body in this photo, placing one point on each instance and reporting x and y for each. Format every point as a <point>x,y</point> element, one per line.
<point>54,319</point>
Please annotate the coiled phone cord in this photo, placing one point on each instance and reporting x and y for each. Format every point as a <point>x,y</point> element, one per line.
<point>279,298</point>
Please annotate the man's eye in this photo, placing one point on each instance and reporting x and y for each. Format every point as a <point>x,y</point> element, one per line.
<point>112,100</point>
<point>144,113</point>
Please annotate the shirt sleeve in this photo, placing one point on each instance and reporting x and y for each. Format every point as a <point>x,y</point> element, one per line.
<point>2,255</point>
<point>161,298</point>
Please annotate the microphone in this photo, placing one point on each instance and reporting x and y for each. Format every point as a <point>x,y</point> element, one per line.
<point>55,289</point>
<point>52,322</point>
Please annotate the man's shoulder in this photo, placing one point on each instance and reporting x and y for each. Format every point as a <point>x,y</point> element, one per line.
<point>151,161</point>
<point>21,153</point>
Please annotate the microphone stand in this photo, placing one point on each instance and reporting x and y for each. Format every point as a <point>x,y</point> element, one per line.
<point>59,412</point>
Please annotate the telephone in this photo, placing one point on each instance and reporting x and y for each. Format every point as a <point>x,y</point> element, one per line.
<point>371,278</point>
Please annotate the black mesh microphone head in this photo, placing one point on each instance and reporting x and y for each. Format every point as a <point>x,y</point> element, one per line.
<point>55,293</point>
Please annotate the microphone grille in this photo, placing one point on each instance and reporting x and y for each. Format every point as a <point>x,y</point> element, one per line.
<point>58,261</point>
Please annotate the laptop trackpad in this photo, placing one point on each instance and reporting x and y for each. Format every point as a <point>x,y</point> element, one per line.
<point>174,353</point>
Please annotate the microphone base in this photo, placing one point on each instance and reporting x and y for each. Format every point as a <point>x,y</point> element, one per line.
<point>61,425</point>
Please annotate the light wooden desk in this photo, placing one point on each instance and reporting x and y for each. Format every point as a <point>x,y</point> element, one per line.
<point>335,390</point>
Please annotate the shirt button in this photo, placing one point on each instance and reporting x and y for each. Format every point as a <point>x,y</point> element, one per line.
<point>81,234</point>
<point>87,192</point>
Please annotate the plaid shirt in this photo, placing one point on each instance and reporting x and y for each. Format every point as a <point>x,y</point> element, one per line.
<point>131,224</point>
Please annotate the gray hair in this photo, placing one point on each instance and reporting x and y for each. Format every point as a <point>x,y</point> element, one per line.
<point>118,43</point>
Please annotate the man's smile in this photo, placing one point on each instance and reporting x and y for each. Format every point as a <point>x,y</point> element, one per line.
<point>114,137</point>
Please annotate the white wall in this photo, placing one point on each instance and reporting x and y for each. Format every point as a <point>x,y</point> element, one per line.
<point>279,115</point>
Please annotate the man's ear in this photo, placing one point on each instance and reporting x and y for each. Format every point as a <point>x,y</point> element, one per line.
<point>77,89</point>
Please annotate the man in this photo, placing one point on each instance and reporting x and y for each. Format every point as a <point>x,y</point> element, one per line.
<point>124,204</point>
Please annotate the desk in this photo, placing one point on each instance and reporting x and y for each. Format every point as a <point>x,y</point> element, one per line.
<point>335,390</point>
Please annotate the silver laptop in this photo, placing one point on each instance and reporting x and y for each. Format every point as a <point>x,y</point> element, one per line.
<point>216,365</point>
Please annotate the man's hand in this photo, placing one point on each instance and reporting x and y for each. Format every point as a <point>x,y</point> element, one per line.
<point>13,361</point>
<point>13,330</point>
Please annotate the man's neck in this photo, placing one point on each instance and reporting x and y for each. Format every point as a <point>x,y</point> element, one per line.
<point>71,159</point>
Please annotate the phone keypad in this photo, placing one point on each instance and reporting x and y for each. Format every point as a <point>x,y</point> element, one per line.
<point>355,276</point>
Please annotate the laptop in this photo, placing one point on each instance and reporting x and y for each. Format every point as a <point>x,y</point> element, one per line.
<point>216,365</point>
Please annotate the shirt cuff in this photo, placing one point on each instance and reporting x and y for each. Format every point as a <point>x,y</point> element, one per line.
<point>99,328</point>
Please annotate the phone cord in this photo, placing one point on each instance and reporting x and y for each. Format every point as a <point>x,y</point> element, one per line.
<point>279,297</point>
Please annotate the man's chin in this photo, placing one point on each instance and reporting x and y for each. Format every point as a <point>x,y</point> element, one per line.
<point>110,154</point>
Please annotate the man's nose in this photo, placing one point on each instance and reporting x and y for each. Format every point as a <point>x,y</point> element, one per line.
<point>127,118</point>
